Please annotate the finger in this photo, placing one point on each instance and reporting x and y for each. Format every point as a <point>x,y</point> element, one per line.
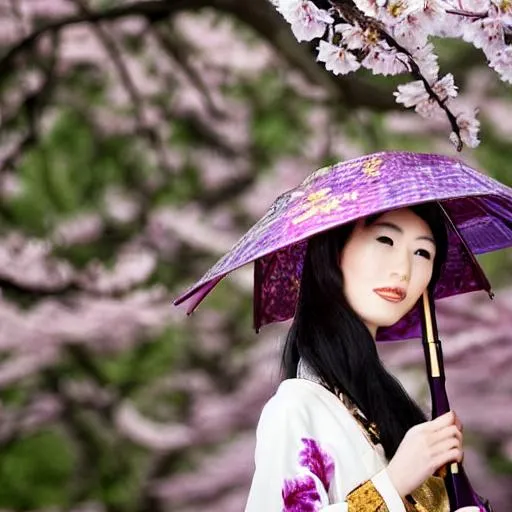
<point>445,447</point>
<point>453,455</point>
<point>443,421</point>
<point>450,432</point>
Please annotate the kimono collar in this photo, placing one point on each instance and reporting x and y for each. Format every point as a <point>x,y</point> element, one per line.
<point>304,371</point>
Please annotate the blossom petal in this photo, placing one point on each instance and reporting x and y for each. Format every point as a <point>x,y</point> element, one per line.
<point>338,60</point>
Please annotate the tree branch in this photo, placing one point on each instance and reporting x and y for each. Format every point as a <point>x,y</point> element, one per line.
<point>151,9</point>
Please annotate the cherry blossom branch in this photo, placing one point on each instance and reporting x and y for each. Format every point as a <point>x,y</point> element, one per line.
<point>349,12</point>
<point>467,14</point>
<point>416,73</point>
<point>390,37</point>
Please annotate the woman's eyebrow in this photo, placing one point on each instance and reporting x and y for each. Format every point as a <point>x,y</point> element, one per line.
<point>389,225</point>
<point>398,229</point>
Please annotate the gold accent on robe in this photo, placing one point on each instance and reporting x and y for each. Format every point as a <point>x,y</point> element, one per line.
<point>429,497</point>
<point>366,498</point>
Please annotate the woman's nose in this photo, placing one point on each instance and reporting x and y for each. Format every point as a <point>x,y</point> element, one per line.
<point>402,269</point>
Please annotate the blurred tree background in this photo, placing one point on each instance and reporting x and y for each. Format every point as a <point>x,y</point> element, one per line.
<point>139,139</point>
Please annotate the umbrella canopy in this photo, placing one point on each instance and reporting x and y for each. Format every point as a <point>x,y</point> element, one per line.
<point>478,214</point>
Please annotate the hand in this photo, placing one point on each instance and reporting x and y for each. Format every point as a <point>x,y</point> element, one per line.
<point>424,449</point>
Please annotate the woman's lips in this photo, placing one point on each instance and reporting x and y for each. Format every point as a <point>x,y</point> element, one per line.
<point>391,294</point>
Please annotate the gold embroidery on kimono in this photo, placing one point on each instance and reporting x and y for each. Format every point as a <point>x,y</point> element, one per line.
<point>431,496</point>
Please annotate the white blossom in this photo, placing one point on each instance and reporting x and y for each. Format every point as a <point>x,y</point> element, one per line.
<point>411,32</point>
<point>369,7</point>
<point>397,10</point>
<point>486,33</point>
<point>505,6</point>
<point>384,60</point>
<point>338,60</point>
<point>469,127</point>
<point>414,94</point>
<point>411,94</point>
<point>502,63</point>
<point>353,36</point>
<point>396,38</point>
<point>426,59</point>
<point>428,18</point>
<point>473,5</point>
<point>445,88</point>
<point>307,20</point>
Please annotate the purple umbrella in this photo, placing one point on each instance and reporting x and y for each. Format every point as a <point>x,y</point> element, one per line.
<point>479,220</point>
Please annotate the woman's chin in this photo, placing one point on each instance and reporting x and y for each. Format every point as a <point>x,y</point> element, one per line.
<point>385,322</point>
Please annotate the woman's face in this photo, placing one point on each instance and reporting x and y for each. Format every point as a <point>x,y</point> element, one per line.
<point>387,266</point>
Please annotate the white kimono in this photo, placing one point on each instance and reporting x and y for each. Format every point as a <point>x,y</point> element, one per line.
<point>311,453</point>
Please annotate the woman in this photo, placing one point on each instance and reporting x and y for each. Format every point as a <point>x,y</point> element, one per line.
<point>344,435</point>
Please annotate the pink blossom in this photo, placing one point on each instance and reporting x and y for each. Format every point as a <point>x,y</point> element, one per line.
<point>133,266</point>
<point>504,6</point>
<point>338,60</point>
<point>445,87</point>
<point>502,63</point>
<point>488,33</point>
<point>384,60</point>
<point>414,94</point>
<point>401,41</point>
<point>411,32</point>
<point>395,11</point>
<point>369,7</point>
<point>427,61</point>
<point>469,127</point>
<point>307,20</point>
<point>80,230</point>
<point>352,35</point>
<point>411,94</point>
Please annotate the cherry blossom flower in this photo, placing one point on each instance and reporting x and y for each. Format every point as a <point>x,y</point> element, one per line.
<point>307,20</point>
<point>395,11</point>
<point>502,63</point>
<point>469,127</point>
<point>411,94</point>
<point>414,94</point>
<point>384,60</point>
<point>505,6</point>
<point>390,37</point>
<point>445,88</point>
<point>426,59</point>
<point>353,36</point>
<point>369,7</point>
<point>338,60</point>
<point>486,33</point>
<point>411,32</point>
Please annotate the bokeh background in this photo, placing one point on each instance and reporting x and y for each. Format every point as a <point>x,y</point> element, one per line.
<point>139,139</point>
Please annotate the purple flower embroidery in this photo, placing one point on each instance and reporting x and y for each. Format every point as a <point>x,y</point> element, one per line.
<point>300,495</point>
<point>317,461</point>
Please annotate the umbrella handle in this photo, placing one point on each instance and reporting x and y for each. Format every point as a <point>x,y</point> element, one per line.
<point>460,492</point>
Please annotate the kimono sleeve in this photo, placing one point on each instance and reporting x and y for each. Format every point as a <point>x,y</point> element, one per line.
<point>293,471</point>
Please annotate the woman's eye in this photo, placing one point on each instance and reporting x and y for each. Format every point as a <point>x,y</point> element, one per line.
<point>424,253</point>
<point>385,240</point>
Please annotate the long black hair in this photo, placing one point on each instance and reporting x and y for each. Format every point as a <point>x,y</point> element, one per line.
<point>338,346</point>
